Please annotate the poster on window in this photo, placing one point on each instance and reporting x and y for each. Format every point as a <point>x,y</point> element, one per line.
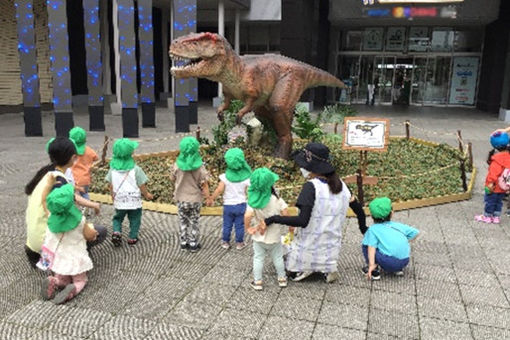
<point>395,38</point>
<point>373,39</point>
<point>464,79</point>
<point>362,133</point>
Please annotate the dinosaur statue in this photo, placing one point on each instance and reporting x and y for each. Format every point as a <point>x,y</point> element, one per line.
<point>269,84</point>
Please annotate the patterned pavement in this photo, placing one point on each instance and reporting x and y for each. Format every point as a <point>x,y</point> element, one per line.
<point>457,285</point>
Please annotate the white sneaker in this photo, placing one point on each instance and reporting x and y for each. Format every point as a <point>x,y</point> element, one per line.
<point>331,277</point>
<point>399,273</point>
<point>301,276</point>
<point>257,285</point>
<point>282,282</point>
<point>225,245</point>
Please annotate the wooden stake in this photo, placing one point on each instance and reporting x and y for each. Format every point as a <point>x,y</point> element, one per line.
<point>462,162</point>
<point>197,133</point>
<point>359,179</point>
<point>408,132</point>
<point>470,154</point>
<point>105,147</point>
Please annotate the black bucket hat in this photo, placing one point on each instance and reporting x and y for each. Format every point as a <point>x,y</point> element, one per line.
<point>314,158</point>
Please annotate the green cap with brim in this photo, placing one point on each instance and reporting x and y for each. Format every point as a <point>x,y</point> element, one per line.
<point>380,207</point>
<point>259,191</point>
<point>123,154</point>
<point>189,158</point>
<point>64,215</point>
<point>80,138</point>
<point>237,168</point>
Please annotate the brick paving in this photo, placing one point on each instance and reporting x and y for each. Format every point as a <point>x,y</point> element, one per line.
<point>457,285</point>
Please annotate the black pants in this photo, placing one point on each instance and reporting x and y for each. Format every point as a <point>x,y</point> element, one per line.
<point>33,257</point>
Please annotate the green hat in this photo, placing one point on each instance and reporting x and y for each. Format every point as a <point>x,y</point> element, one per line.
<point>189,158</point>
<point>80,137</point>
<point>64,215</point>
<point>123,154</point>
<point>237,168</point>
<point>259,191</point>
<point>380,207</point>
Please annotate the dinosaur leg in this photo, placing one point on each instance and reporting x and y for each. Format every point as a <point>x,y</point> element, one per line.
<point>282,103</point>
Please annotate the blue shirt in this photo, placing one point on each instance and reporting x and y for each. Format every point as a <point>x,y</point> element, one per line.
<point>391,238</point>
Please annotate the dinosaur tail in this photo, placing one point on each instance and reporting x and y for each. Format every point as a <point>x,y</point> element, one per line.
<point>317,77</point>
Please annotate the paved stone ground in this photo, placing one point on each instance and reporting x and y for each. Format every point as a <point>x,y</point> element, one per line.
<point>457,285</point>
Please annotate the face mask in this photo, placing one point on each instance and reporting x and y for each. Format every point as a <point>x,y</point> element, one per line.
<point>305,172</point>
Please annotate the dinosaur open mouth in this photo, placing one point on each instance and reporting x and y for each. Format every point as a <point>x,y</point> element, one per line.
<point>182,63</point>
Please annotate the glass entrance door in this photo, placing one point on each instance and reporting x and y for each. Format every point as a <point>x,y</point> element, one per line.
<point>437,80</point>
<point>418,80</point>
<point>366,80</point>
<point>383,79</point>
<point>402,82</point>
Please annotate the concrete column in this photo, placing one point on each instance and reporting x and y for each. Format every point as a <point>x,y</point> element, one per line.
<point>504,110</point>
<point>164,43</point>
<point>128,68</point>
<point>172,79</point>
<point>146,38</point>
<point>28,67</point>
<point>94,67</point>
<point>59,58</point>
<point>237,46</point>
<point>116,106</point>
<point>105,47</point>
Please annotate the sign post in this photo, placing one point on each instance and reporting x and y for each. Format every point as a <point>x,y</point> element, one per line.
<point>365,134</point>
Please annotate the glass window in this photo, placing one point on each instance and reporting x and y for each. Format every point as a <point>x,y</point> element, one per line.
<point>418,39</point>
<point>352,40</point>
<point>442,39</point>
<point>468,40</point>
<point>373,39</point>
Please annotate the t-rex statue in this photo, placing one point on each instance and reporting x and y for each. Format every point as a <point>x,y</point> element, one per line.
<point>269,84</point>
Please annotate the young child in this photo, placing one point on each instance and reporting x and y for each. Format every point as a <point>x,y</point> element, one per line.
<point>190,177</point>
<point>86,157</point>
<point>66,239</point>
<point>127,185</point>
<point>494,194</point>
<point>233,184</point>
<point>262,203</point>
<point>386,243</point>
<point>62,153</point>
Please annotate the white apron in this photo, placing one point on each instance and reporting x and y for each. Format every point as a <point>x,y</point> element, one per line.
<point>316,248</point>
<point>127,194</point>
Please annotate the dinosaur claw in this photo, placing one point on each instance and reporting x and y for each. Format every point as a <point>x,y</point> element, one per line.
<point>220,116</point>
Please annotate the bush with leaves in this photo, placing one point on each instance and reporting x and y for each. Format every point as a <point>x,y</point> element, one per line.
<point>336,114</point>
<point>304,126</point>
<point>220,132</point>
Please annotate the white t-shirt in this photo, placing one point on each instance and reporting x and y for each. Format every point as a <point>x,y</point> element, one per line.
<point>235,193</point>
<point>273,231</point>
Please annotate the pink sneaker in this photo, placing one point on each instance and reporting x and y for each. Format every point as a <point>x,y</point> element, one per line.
<point>483,218</point>
<point>496,220</point>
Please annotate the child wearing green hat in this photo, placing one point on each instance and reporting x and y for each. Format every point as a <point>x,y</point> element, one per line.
<point>190,177</point>
<point>233,184</point>
<point>127,185</point>
<point>84,161</point>
<point>386,243</point>
<point>263,202</point>
<point>65,249</point>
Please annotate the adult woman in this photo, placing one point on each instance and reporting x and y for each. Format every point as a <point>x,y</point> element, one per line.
<point>322,204</point>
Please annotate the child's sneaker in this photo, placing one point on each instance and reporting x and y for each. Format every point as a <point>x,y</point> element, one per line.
<point>496,220</point>
<point>132,241</point>
<point>65,294</point>
<point>399,273</point>
<point>282,282</point>
<point>301,276</point>
<point>483,218</point>
<point>225,245</point>
<point>116,239</point>
<point>332,277</point>
<point>240,245</point>
<point>194,247</point>
<point>257,285</point>
<point>184,246</point>
<point>376,275</point>
<point>49,288</point>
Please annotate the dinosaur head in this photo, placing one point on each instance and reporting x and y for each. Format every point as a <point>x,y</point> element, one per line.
<point>200,55</point>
